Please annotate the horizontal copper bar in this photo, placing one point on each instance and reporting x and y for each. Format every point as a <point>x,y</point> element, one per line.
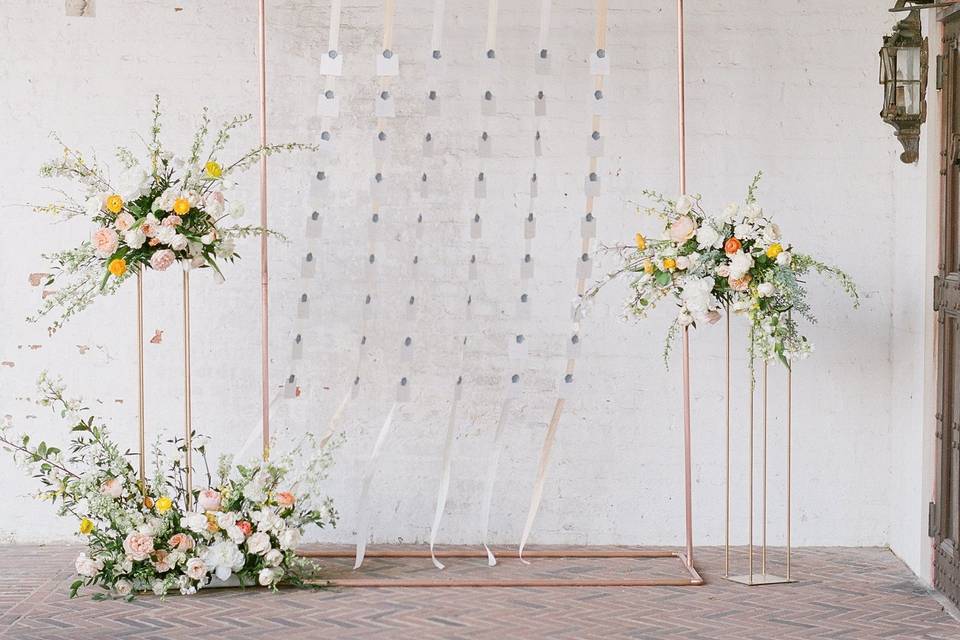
<point>480,553</point>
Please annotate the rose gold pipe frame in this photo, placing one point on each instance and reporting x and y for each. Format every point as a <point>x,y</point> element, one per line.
<point>187,392</point>
<point>751,578</point>
<point>141,429</point>
<point>264,263</point>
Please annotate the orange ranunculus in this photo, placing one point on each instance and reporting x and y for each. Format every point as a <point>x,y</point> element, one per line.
<point>118,267</point>
<point>732,245</point>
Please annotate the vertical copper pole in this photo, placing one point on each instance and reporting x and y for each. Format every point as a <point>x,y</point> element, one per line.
<point>726,534</point>
<point>688,483</point>
<point>264,269</point>
<point>187,400</point>
<point>750,475</point>
<point>789,455</point>
<point>763,536</point>
<point>142,438</point>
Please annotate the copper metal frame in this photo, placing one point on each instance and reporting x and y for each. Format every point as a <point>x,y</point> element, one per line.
<point>694,578</point>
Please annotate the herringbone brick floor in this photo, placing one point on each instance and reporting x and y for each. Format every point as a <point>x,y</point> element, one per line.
<point>853,594</point>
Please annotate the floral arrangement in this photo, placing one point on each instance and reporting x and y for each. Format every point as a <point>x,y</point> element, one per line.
<point>169,209</point>
<point>139,534</point>
<point>736,261</point>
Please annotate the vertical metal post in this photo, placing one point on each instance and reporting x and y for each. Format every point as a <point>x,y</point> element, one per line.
<point>726,534</point>
<point>763,536</point>
<point>789,457</point>
<point>187,391</point>
<point>141,425</point>
<point>750,478</point>
<point>264,264</point>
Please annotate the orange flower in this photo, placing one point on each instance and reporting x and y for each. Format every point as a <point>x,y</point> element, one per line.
<point>181,206</point>
<point>114,204</point>
<point>732,245</point>
<point>118,267</point>
<point>148,502</point>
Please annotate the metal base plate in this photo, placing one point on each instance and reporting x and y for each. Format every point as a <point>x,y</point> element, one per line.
<point>759,579</point>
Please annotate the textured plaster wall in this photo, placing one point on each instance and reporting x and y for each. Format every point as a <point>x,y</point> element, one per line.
<point>786,87</point>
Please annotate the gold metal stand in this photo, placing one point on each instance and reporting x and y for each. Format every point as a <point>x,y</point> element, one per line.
<point>187,400</point>
<point>141,430</point>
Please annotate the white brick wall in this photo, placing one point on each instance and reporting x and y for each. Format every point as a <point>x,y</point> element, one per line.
<point>785,87</point>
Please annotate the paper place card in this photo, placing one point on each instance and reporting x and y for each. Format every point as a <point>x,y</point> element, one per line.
<point>476,229</point>
<point>362,348</point>
<point>303,307</point>
<point>371,266</point>
<point>469,317</point>
<point>534,188</point>
<point>424,186</point>
<point>415,269</point>
<point>403,390</point>
<point>314,225</point>
<point>488,103</point>
<point>381,146</point>
<point>529,227</point>
<point>523,306</point>
<point>411,308</point>
<point>472,270</point>
<point>406,350</point>
<point>418,230</point>
<point>567,387</point>
<point>591,185</point>
<point>355,387</point>
<point>374,225</point>
<point>325,144</point>
<point>588,227</point>
<point>308,268</point>
<point>368,307</point>
<point>319,187</point>
<point>513,385</point>
<point>458,388</point>
<point>542,62</point>
<point>480,186</point>
<point>540,105</point>
<point>584,266</point>
<point>331,63</point>
<point>490,65</point>
<point>378,187</point>
<point>517,348</point>
<point>433,103</point>
<point>595,145</point>
<point>599,63</point>
<point>328,104</point>
<point>485,146</point>
<point>526,267</point>
<point>388,63</point>
<point>290,387</point>
<point>598,103</point>
<point>297,353</point>
<point>537,145</point>
<point>384,106</point>
<point>573,346</point>
<point>436,64</point>
<point>428,145</point>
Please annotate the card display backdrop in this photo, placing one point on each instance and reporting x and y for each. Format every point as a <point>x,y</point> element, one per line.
<point>387,66</point>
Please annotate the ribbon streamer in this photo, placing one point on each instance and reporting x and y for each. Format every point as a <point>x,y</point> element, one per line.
<point>444,478</point>
<point>544,25</point>
<point>437,32</point>
<point>492,477</point>
<point>334,37</point>
<point>362,520</point>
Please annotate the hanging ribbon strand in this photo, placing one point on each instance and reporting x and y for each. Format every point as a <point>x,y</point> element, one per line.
<point>599,69</point>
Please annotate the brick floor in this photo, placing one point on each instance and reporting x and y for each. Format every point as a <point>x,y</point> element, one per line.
<point>855,594</point>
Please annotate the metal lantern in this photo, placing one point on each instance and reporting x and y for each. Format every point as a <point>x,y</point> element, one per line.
<point>903,74</point>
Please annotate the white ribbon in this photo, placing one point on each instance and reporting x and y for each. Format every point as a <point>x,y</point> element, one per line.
<point>436,34</point>
<point>544,25</point>
<point>257,430</point>
<point>362,520</point>
<point>541,476</point>
<point>444,478</point>
<point>334,38</point>
<point>492,477</point>
<point>492,25</point>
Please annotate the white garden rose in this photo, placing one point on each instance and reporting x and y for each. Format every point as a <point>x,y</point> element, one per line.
<point>708,237</point>
<point>235,533</point>
<point>783,258</point>
<point>766,289</point>
<point>178,242</point>
<point>752,212</point>
<point>289,538</point>
<point>730,212</point>
<point>771,233</point>
<point>268,576</point>
<point>743,231</point>
<point>258,543</point>
<point>134,183</point>
<point>684,204</point>
<point>685,319</point>
<point>196,568</point>
<point>697,296</point>
<point>196,522</point>
<point>166,233</point>
<point>273,557</point>
<point>223,558</point>
<point>740,264</point>
<point>88,567</point>
<point>123,587</point>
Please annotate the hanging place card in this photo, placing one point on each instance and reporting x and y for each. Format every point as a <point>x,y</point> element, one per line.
<point>406,350</point>
<point>591,185</point>
<point>436,64</point>
<point>368,308</point>
<point>319,187</point>
<point>297,348</point>
<point>598,103</point>
<point>485,146</point>
<point>524,305</point>
<point>537,145</point>
<point>428,145</point>
<point>415,269</point>
<point>573,346</point>
<point>424,186</point>
<point>513,385</point>
<point>384,106</point>
<point>480,186</point>
<point>526,267</point>
<point>472,269</point>
<point>378,187</point>
<point>290,387</point>
<point>387,63</point>
<point>418,231</point>
<point>599,63</point>
<point>328,104</point>
<point>308,268</point>
<point>403,390</point>
<point>488,103</point>
<point>331,63</point>
<point>542,62</point>
<point>529,227</point>
<point>595,145</point>
<point>303,307</point>
<point>588,227</point>
<point>568,386</point>
<point>476,228</point>
<point>433,103</point>
<point>540,105</point>
<point>411,308</point>
<point>355,387</point>
<point>325,144</point>
<point>458,389</point>
<point>314,225</point>
<point>534,188</point>
<point>371,266</point>
<point>374,225</point>
<point>381,146</point>
<point>584,266</point>
<point>517,349</point>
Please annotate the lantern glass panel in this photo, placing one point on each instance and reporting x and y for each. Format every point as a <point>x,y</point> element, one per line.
<point>908,64</point>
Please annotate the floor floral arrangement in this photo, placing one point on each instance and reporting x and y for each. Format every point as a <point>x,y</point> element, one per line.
<point>140,536</point>
<point>166,210</point>
<point>736,261</point>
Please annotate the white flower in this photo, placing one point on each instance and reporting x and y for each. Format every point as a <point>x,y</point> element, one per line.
<point>134,183</point>
<point>684,204</point>
<point>740,264</point>
<point>708,237</point>
<point>289,538</point>
<point>235,209</point>
<point>683,263</point>
<point>697,296</point>
<point>94,203</point>
<point>254,491</point>
<point>741,304</point>
<point>196,522</point>
<point>226,248</point>
<point>88,567</point>
<point>226,519</point>
<point>196,569</point>
<point>771,233</point>
<point>223,558</point>
<point>723,270</point>
<point>766,289</point>
<point>269,576</point>
<point>730,212</point>
<point>685,319</point>
<point>166,234</point>
<point>236,534</point>
<point>124,566</point>
<point>208,238</point>
<point>159,587</point>
<point>783,258</point>
<point>178,242</point>
<point>258,543</point>
<point>273,557</point>
<point>123,587</point>
<point>752,212</point>
<point>743,231</point>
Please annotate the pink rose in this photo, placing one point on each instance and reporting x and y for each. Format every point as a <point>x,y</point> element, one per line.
<point>713,317</point>
<point>161,561</point>
<point>105,242</point>
<point>180,542</point>
<point>196,569</point>
<point>172,221</point>
<point>245,526</point>
<point>682,229</point>
<point>112,487</point>
<point>209,500</point>
<point>740,284</point>
<point>285,499</point>
<point>161,260</point>
<point>723,270</point>
<point>123,221</point>
<point>138,545</point>
<point>149,226</point>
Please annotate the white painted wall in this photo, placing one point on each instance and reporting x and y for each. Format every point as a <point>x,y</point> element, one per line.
<point>786,87</point>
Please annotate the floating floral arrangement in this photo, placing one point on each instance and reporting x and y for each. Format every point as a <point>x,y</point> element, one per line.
<point>166,210</point>
<point>736,262</point>
<point>141,537</point>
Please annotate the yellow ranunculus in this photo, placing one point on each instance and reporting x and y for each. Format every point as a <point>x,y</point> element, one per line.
<point>213,169</point>
<point>86,526</point>
<point>647,266</point>
<point>669,264</point>
<point>641,242</point>
<point>114,204</point>
<point>181,206</point>
<point>774,250</point>
<point>118,267</point>
<point>163,504</point>
<point>212,525</point>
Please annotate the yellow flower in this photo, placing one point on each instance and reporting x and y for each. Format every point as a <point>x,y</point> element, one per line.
<point>774,250</point>
<point>118,267</point>
<point>181,206</point>
<point>213,169</point>
<point>163,504</point>
<point>212,525</point>
<point>114,204</point>
<point>669,264</point>
<point>641,242</point>
<point>647,266</point>
<point>86,526</point>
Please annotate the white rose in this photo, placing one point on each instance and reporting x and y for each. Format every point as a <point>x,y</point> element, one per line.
<point>236,534</point>
<point>134,238</point>
<point>236,209</point>
<point>697,295</point>
<point>740,264</point>
<point>226,519</point>
<point>178,242</point>
<point>683,263</point>
<point>685,319</point>
<point>289,538</point>
<point>207,238</point>
<point>743,231</point>
<point>123,587</point>
<point>783,258</point>
<point>196,568</point>
<point>269,576</point>
<point>166,234</point>
<point>196,522</point>
<point>274,557</point>
<point>133,183</point>
<point>124,566</point>
<point>708,237</point>
<point>730,211</point>
<point>223,558</point>
<point>772,233</point>
<point>87,567</point>
<point>258,543</point>
<point>684,204</point>
<point>95,203</point>
<point>766,289</point>
<point>752,212</point>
